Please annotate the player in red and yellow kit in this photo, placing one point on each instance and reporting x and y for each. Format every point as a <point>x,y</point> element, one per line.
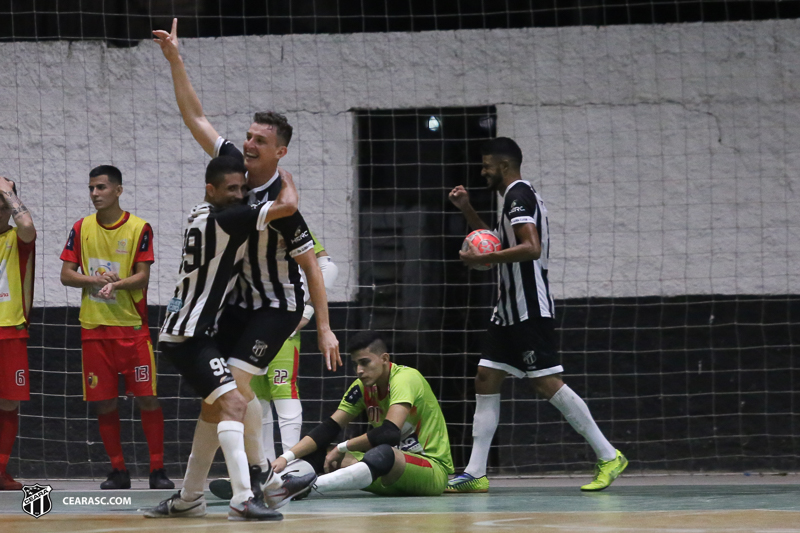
<point>17,255</point>
<point>114,251</point>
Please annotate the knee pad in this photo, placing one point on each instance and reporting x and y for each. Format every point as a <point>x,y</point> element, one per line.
<point>380,460</point>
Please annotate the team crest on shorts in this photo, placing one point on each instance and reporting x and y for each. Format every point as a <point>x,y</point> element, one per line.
<point>37,500</point>
<point>259,348</point>
<point>92,380</point>
<point>529,358</point>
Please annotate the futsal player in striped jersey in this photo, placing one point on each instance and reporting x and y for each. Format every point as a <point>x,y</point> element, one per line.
<point>214,246</point>
<point>520,340</point>
<point>268,302</point>
<point>113,250</point>
<point>17,258</point>
<point>278,386</point>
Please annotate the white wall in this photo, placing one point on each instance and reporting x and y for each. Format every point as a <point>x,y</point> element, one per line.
<point>667,155</point>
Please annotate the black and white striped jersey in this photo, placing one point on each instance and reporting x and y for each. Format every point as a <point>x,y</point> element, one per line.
<point>213,249</point>
<point>523,288</point>
<point>269,275</point>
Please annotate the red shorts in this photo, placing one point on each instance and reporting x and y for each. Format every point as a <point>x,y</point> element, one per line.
<point>14,377</point>
<point>104,359</point>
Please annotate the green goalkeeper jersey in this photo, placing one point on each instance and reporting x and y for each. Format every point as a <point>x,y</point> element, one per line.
<point>317,245</point>
<point>425,431</point>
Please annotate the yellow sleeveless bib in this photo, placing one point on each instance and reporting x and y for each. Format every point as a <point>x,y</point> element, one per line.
<point>11,293</point>
<point>110,250</point>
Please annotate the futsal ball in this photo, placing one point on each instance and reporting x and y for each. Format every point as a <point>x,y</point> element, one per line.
<point>297,468</point>
<point>485,241</point>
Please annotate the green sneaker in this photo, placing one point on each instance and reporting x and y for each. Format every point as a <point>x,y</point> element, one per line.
<point>605,472</point>
<point>465,483</point>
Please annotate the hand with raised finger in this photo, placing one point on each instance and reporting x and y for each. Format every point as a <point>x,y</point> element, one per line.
<point>168,41</point>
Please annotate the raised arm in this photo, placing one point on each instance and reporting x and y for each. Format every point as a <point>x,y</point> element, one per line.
<point>188,102</point>
<point>22,217</point>
<point>460,198</point>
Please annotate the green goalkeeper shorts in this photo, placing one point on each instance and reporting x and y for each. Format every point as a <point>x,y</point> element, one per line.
<point>280,381</point>
<point>422,477</point>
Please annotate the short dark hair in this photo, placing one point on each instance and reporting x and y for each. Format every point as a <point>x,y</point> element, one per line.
<point>219,167</point>
<point>503,147</point>
<point>282,127</point>
<point>367,340</point>
<point>113,173</point>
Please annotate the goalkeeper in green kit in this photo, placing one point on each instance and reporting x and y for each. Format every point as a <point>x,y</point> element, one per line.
<point>405,453</point>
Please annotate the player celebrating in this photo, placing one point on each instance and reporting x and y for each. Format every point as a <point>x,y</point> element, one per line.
<point>17,258</point>
<point>407,451</point>
<point>114,251</point>
<point>521,334</point>
<point>268,301</point>
<point>213,248</point>
<point>279,385</point>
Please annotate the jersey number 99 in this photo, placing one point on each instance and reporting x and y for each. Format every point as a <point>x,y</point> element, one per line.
<point>192,250</point>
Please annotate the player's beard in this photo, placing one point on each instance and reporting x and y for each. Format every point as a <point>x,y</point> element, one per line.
<point>493,181</point>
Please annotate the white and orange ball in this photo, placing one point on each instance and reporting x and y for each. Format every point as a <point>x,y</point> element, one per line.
<point>485,241</point>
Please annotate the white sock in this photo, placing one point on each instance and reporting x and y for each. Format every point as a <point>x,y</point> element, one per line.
<point>484,424</point>
<point>354,477</point>
<point>204,448</point>
<point>254,446</point>
<point>267,430</point>
<point>231,438</point>
<point>290,420</point>
<point>252,435</point>
<point>577,414</point>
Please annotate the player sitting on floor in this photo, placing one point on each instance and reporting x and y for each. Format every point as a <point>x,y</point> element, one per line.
<point>407,450</point>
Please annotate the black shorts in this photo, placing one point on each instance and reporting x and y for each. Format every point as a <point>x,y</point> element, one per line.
<point>251,339</point>
<point>200,362</point>
<point>527,348</point>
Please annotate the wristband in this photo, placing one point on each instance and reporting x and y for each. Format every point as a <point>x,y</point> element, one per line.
<point>342,447</point>
<point>289,456</point>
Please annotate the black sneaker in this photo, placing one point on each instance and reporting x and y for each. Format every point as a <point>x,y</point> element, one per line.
<point>117,479</point>
<point>293,486</point>
<point>176,507</point>
<point>298,497</point>
<point>159,480</point>
<point>253,509</point>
